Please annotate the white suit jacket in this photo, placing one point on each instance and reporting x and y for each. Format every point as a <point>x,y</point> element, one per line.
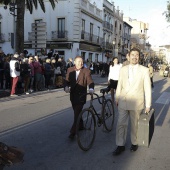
<point>135,95</point>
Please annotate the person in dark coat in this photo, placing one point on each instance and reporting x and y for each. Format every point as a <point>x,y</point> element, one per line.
<point>25,74</point>
<point>76,82</point>
<point>48,73</point>
<point>7,72</point>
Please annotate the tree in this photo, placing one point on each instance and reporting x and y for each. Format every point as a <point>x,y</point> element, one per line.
<point>20,5</point>
<point>167,13</point>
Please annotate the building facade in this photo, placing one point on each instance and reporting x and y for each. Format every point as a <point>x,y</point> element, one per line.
<point>90,28</point>
<point>139,34</point>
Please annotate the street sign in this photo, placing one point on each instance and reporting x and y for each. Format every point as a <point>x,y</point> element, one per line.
<point>38,35</point>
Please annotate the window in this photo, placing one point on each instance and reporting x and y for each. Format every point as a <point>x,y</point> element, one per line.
<point>109,38</point>
<point>98,34</point>
<point>90,57</point>
<point>83,29</point>
<point>83,25</point>
<point>83,54</point>
<point>91,31</point>
<point>0,28</point>
<point>96,57</point>
<point>105,17</point>
<point>115,24</point>
<point>61,27</point>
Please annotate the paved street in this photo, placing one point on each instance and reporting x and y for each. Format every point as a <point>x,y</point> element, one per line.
<point>39,123</point>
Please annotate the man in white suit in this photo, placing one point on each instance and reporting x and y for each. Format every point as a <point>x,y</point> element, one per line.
<point>133,94</point>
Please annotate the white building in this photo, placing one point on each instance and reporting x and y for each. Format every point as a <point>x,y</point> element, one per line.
<point>75,27</point>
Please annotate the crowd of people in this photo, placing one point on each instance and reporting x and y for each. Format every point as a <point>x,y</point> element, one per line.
<point>20,73</point>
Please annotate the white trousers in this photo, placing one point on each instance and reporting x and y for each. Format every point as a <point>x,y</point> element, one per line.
<point>122,126</point>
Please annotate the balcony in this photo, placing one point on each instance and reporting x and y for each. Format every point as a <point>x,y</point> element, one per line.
<point>2,38</point>
<point>107,45</point>
<point>91,38</point>
<point>58,35</point>
<point>91,8</point>
<point>108,25</point>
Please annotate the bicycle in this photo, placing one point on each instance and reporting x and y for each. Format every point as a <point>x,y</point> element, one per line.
<point>86,135</point>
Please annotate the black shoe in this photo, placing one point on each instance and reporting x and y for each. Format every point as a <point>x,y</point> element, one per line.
<point>71,136</point>
<point>134,148</point>
<point>119,150</point>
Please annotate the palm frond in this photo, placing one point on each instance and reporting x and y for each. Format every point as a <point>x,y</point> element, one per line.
<point>53,3</point>
<point>29,5</point>
<point>41,2</point>
<point>5,2</point>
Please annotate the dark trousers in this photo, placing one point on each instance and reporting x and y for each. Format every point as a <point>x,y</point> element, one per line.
<point>7,81</point>
<point>151,81</point>
<point>47,80</point>
<point>77,109</point>
<point>1,79</point>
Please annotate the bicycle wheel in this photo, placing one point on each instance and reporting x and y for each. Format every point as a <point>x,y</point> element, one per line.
<point>108,115</point>
<point>86,135</point>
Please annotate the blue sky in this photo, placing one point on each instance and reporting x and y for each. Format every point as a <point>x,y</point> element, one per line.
<point>149,11</point>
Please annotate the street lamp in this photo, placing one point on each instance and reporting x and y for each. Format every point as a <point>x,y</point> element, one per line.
<point>114,48</point>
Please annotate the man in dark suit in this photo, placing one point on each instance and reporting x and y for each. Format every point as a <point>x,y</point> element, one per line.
<point>76,82</point>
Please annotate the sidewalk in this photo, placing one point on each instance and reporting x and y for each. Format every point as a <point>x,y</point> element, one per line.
<point>97,80</point>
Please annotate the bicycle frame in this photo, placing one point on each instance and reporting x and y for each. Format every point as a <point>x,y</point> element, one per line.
<point>100,120</point>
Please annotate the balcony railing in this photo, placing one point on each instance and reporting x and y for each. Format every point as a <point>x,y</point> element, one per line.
<point>59,35</point>
<point>2,37</point>
<point>91,38</point>
<point>108,25</point>
<point>91,8</point>
<point>107,45</point>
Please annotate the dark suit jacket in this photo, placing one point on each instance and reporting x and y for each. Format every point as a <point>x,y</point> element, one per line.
<point>79,86</point>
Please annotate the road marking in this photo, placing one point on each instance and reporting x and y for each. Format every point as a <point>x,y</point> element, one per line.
<point>6,132</point>
<point>164,98</point>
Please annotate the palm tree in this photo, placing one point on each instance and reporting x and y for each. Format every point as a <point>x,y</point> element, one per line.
<point>20,5</point>
<point>167,12</point>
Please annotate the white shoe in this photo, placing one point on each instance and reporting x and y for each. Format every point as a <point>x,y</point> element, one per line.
<point>27,93</point>
<point>13,95</point>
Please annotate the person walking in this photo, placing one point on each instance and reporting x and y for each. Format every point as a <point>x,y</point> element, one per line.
<point>126,62</point>
<point>1,69</point>
<point>7,73</point>
<point>48,73</point>
<point>113,77</point>
<point>76,82</point>
<point>133,94</point>
<point>25,74</point>
<point>151,74</point>
<point>14,72</point>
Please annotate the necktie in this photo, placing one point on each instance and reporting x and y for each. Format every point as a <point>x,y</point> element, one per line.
<point>131,74</point>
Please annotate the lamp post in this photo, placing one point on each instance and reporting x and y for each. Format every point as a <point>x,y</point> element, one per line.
<point>114,48</point>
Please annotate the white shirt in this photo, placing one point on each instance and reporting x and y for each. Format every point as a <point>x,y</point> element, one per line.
<point>132,72</point>
<point>77,74</point>
<point>13,71</point>
<point>114,72</point>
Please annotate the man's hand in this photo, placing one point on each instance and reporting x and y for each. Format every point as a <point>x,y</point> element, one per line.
<point>91,91</point>
<point>147,109</point>
<point>66,89</point>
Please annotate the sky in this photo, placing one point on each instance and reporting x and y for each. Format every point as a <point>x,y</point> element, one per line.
<point>148,11</point>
